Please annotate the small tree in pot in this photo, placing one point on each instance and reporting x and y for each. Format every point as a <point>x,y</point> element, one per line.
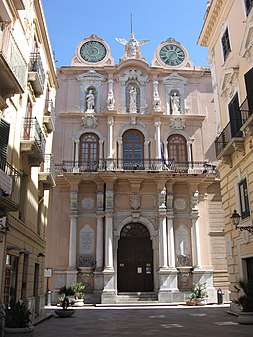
<point>65,302</point>
<point>17,320</point>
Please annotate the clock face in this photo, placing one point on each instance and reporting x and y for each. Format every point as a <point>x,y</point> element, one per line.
<point>172,54</point>
<point>93,51</point>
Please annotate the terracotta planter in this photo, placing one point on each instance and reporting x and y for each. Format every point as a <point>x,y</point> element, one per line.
<point>191,303</point>
<point>245,318</point>
<point>19,332</point>
<point>64,313</point>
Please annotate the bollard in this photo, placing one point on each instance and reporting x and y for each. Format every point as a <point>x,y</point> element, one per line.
<point>219,296</point>
<point>49,298</point>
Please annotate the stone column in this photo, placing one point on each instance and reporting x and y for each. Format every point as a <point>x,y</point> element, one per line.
<point>120,154</point>
<point>163,241</point>
<point>77,142</point>
<point>101,159</point>
<point>99,243</point>
<point>171,243</point>
<point>73,214</point>
<point>195,230</point>
<point>158,138</point>
<point>110,164</point>
<point>108,242</point>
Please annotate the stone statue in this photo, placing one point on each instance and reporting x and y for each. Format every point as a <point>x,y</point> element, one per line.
<point>110,100</point>
<point>156,101</point>
<point>132,47</point>
<point>175,104</point>
<point>90,100</point>
<point>132,94</point>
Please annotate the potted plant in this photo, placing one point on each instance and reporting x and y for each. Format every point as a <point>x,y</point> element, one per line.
<point>65,311</point>
<point>245,302</point>
<point>78,290</point>
<point>17,320</point>
<point>198,294</point>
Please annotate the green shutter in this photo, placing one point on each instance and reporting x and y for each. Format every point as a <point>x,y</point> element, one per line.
<point>4,138</point>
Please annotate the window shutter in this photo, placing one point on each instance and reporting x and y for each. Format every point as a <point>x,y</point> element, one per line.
<point>4,138</point>
<point>249,88</point>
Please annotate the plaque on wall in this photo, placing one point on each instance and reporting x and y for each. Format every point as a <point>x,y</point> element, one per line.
<point>180,204</point>
<point>87,240</point>
<point>182,245</point>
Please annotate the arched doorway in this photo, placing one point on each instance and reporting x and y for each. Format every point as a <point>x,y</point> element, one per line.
<point>135,259</point>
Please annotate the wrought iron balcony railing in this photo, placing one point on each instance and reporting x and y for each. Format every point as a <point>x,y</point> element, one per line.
<point>13,58</point>
<point>47,170</point>
<point>49,115</point>
<point>10,180</point>
<point>150,165</point>
<point>35,66</point>
<point>232,130</point>
<point>31,131</point>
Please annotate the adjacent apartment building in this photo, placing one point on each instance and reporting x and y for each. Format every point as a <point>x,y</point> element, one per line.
<point>137,209</point>
<point>27,93</point>
<point>227,32</point>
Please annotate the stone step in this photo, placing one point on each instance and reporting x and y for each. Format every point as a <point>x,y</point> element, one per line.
<point>136,297</point>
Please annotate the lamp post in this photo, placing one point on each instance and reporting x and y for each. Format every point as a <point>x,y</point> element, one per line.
<point>235,218</point>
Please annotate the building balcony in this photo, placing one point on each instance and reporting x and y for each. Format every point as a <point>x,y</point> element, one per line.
<point>36,74</point>
<point>47,173</point>
<point>49,116</point>
<point>229,141</point>
<point>32,141</point>
<point>149,165</point>
<point>10,180</point>
<point>247,117</point>
<point>13,68</point>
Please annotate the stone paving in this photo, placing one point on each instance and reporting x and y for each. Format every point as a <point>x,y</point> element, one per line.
<point>211,321</point>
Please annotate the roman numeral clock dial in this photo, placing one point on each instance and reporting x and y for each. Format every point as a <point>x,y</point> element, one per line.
<point>93,51</point>
<point>172,55</point>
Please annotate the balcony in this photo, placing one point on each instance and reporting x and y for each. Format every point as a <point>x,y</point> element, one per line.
<point>49,116</point>
<point>247,117</point>
<point>13,68</point>
<point>47,173</point>
<point>36,74</point>
<point>10,180</point>
<point>229,141</point>
<point>32,141</point>
<point>149,165</point>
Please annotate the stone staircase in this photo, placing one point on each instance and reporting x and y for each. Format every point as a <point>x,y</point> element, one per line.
<point>137,298</point>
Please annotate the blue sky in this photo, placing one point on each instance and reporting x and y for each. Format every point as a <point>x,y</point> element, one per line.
<point>152,20</point>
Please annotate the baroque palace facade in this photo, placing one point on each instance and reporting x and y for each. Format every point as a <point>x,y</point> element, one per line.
<point>27,92</point>
<point>227,32</point>
<point>137,205</point>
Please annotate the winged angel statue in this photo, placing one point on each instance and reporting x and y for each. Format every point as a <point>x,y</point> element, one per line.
<point>132,47</point>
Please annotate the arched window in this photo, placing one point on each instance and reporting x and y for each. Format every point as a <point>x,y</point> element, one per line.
<point>133,150</point>
<point>88,152</point>
<point>177,148</point>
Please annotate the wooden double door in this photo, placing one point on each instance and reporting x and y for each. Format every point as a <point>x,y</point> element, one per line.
<point>135,260</point>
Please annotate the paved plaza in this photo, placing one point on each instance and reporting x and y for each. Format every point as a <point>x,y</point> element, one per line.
<point>159,321</point>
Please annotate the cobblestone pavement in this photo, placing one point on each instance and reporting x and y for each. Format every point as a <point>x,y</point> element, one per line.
<point>145,321</point>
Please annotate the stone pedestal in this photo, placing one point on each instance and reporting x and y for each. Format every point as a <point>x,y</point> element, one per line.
<point>109,293</point>
<point>168,285</point>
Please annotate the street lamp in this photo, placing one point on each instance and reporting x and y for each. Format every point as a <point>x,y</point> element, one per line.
<point>235,218</point>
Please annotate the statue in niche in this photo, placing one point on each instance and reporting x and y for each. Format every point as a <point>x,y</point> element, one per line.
<point>175,104</point>
<point>132,96</point>
<point>90,100</point>
<point>110,100</point>
<point>156,101</point>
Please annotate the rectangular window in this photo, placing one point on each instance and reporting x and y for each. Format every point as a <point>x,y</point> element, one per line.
<point>225,44</point>
<point>244,199</point>
<point>248,5</point>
